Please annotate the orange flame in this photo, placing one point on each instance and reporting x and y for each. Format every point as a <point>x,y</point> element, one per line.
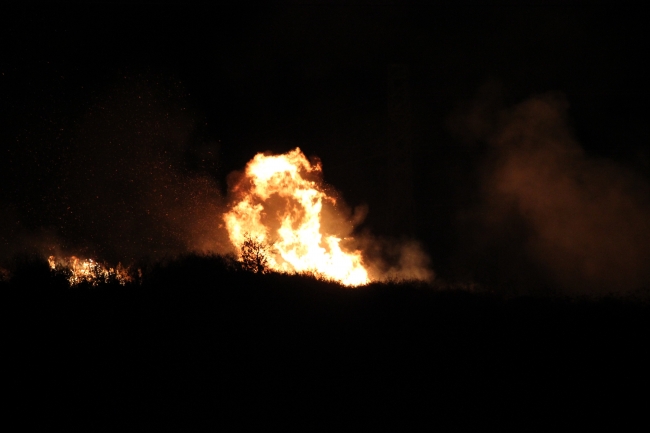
<point>280,206</point>
<point>88,270</point>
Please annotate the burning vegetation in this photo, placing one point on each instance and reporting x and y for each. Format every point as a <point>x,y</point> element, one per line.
<point>88,271</point>
<point>280,202</point>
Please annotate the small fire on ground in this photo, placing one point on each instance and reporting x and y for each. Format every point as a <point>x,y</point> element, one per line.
<point>88,270</point>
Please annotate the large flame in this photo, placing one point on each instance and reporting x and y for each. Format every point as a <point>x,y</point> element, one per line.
<point>88,271</point>
<point>280,203</point>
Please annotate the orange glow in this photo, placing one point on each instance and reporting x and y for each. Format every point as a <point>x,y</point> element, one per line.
<point>88,270</point>
<point>280,203</point>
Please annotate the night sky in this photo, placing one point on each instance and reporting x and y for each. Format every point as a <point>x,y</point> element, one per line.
<point>511,141</point>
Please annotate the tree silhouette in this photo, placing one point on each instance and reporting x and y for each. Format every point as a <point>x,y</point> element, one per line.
<point>254,254</point>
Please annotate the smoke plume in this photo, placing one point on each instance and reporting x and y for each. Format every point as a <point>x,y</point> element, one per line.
<point>578,221</point>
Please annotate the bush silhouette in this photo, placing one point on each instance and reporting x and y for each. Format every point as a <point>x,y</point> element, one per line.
<point>255,255</point>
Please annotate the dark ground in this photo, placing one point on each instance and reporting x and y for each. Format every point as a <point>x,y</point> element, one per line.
<point>197,343</point>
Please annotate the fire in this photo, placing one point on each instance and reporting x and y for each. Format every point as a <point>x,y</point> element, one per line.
<point>280,205</point>
<point>88,270</point>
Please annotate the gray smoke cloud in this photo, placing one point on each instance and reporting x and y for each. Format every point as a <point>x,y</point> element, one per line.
<point>579,221</point>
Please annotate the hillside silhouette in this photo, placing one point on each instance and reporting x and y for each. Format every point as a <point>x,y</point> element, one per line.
<point>197,338</point>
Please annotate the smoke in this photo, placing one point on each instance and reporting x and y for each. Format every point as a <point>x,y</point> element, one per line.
<point>128,184</point>
<point>396,260</point>
<point>385,258</point>
<point>557,213</point>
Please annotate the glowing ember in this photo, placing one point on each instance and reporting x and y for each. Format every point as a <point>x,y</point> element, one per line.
<point>280,205</point>
<point>88,270</point>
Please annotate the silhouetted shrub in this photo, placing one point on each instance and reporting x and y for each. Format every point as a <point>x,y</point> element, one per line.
<point>255,255</point>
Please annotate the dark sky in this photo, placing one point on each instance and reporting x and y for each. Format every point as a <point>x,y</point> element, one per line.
<point>120,124</point>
